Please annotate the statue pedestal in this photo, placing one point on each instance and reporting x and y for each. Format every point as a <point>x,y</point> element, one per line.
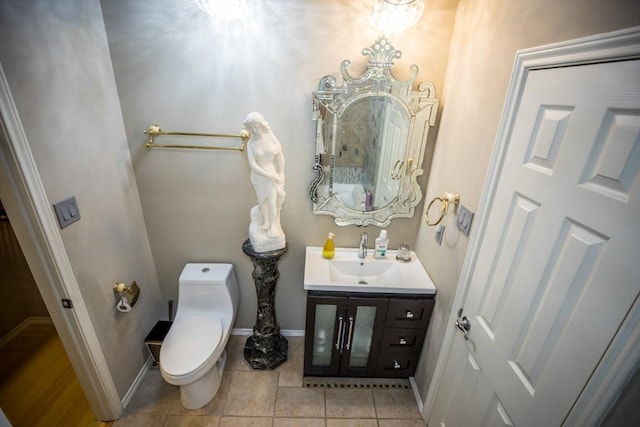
<point>266,348</point>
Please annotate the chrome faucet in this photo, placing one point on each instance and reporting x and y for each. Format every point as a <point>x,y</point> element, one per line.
<point>362,249</point>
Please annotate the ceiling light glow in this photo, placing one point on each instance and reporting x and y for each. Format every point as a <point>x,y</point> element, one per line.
<point>390,16</point>
<point>224,10</point>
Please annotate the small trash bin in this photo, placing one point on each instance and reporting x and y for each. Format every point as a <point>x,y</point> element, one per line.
<point>155,338</point>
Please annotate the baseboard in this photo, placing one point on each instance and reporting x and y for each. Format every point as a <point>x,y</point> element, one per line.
<point>136,382</point>
<point>33,320</point>
<point>285,332</point>
<point>416,394</point>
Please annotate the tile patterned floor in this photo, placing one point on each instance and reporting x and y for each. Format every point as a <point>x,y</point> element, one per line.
<point>271,399</point>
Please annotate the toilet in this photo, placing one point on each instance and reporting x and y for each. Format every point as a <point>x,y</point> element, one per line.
<point>192,354</point>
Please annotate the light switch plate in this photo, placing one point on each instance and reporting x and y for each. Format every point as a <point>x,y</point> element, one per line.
<point>465,217</point>
<point>67,212</point>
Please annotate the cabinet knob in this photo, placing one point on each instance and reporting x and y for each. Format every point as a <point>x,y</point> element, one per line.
<point>409,315</point>
<point>396,364</point>
<point>403,341</point>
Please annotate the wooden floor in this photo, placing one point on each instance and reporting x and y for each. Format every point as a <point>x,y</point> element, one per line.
<point>38,386</point>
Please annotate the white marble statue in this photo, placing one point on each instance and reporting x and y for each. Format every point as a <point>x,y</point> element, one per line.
<point>267,176</point>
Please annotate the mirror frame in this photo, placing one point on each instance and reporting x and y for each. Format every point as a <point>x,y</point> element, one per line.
<point>378,80</point>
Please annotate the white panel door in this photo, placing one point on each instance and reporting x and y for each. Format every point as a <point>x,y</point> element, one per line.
<point>393,139</point>
<point>558,266</point>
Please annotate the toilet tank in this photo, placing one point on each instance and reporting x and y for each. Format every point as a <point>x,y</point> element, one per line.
<point>207,288</point>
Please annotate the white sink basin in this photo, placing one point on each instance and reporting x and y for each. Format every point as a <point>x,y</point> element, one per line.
<point>348,273</point>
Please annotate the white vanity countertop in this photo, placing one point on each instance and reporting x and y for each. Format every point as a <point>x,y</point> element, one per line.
<point>348,273</point>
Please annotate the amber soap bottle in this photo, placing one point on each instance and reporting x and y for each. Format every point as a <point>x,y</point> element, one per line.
<point>329,248</point>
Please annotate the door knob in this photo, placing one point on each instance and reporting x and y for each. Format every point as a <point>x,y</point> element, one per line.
<point>464,324</point>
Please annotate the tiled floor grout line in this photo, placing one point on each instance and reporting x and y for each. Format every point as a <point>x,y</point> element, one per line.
<point>276,398</point>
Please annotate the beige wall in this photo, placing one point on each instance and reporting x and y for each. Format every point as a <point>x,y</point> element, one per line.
<point>56,60</point>
<point>175,68</point>
<point>487,35</point>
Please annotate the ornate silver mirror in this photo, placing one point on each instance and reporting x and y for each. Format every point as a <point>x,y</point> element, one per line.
<point>371,134</point>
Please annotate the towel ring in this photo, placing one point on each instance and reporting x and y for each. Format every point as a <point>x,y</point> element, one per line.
<point>445,200</point>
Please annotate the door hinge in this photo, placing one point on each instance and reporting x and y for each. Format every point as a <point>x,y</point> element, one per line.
<point>66,303</point>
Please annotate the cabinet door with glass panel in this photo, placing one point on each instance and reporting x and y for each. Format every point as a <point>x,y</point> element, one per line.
<point>343,335</point>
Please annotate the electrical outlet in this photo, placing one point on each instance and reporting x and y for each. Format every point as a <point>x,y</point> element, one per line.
<point>465,217</point>
<point>67,212</point>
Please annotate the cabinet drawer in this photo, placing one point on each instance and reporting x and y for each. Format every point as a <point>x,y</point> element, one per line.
<point>402,340</point>
<point>396,365</point>
<point>409,313</point>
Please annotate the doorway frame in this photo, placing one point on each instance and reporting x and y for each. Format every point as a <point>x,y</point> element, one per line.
<point>619,360</point>
<point>37,231</point>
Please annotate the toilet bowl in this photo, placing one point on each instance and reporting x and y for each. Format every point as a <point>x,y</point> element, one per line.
<point>192,354</point>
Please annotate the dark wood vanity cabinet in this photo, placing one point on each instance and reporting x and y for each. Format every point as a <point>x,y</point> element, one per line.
<point>342,334</point>
<point>404,331</point>
<point>355,335</point>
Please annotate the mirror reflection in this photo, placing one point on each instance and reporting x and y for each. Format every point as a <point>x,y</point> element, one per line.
<point>370,140</point>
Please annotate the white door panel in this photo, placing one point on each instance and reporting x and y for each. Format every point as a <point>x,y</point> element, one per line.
<point>557,268</point>
<point>394,135</point>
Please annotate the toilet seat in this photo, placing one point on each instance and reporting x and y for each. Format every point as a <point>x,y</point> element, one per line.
<point>189,345</point>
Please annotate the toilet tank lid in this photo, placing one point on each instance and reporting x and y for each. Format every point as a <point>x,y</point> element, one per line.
<point>205,273</point>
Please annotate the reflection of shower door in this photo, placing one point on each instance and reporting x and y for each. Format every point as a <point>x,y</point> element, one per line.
<point>392,143</point>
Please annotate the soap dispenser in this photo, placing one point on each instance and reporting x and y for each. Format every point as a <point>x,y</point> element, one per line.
<point>329,249</point>
<point>382,243</point>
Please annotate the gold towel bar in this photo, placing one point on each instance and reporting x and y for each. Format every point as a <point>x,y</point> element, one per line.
<point>154,131</point>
